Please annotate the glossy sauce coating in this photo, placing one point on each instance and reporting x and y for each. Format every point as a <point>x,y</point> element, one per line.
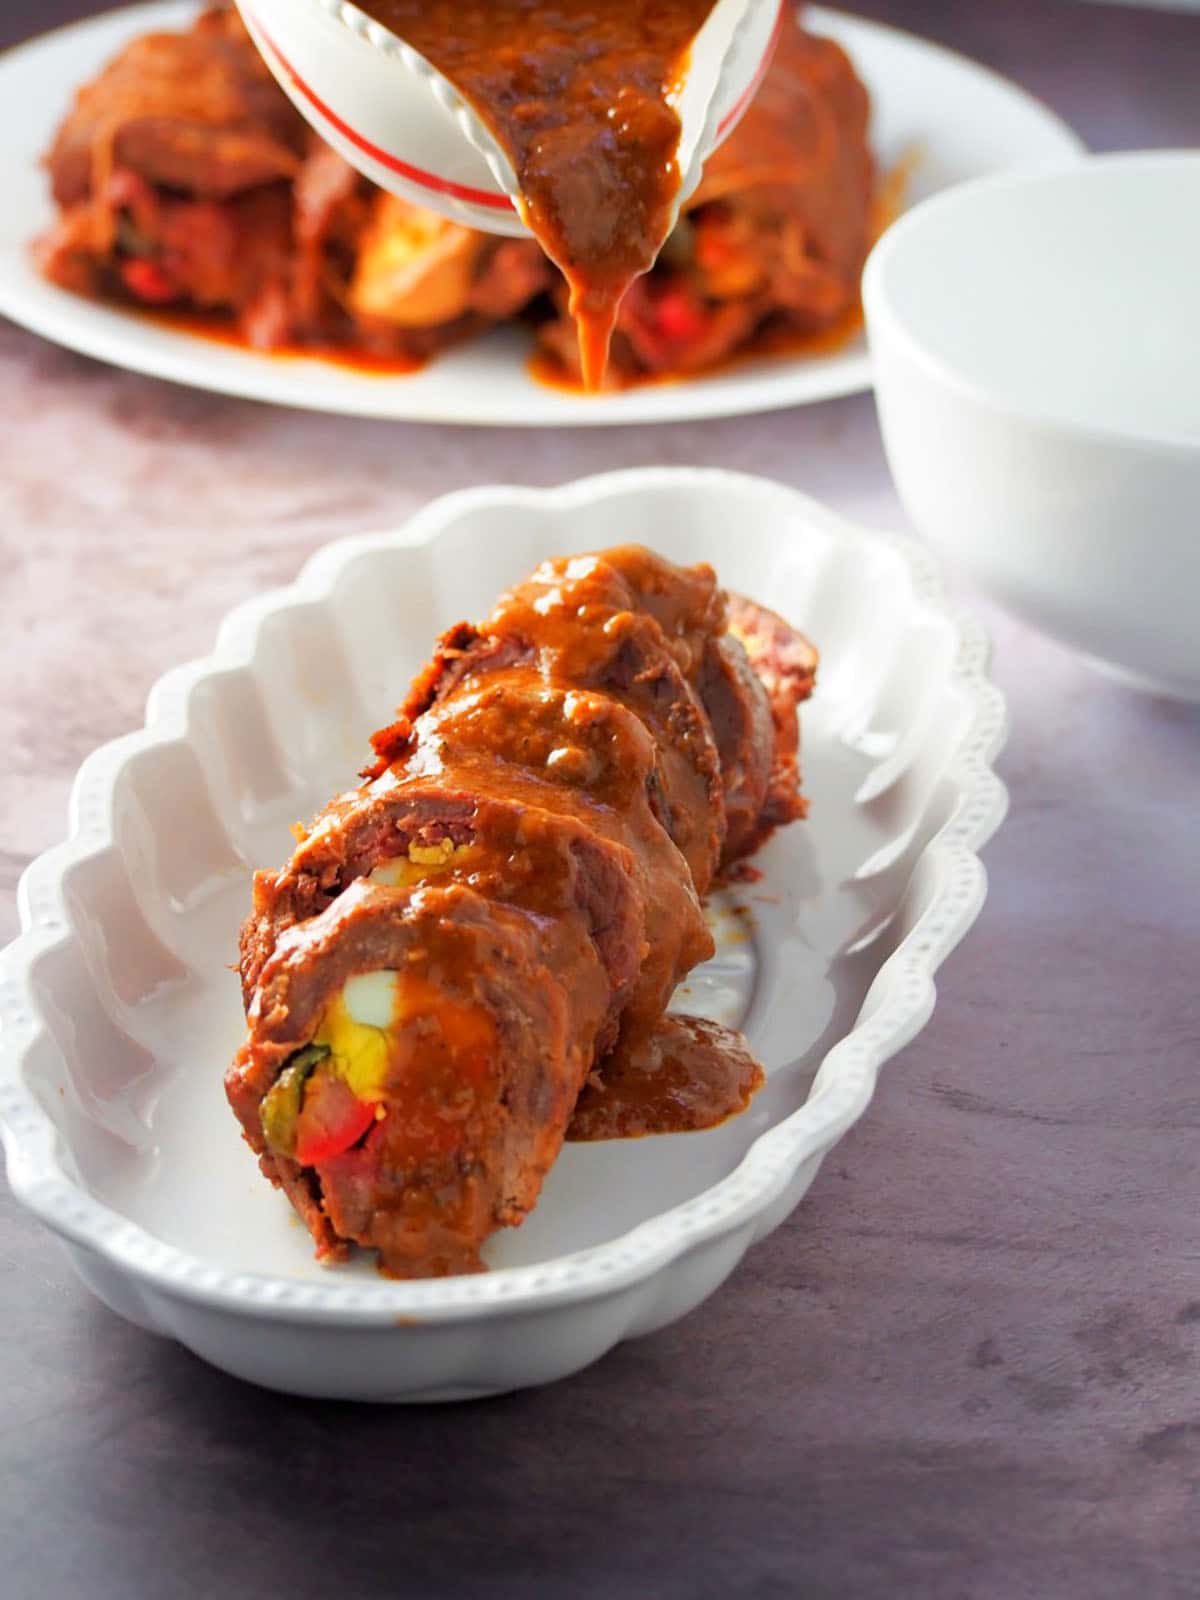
<point>188,186</point>
<point>595,719</point>
<point>577,93</point>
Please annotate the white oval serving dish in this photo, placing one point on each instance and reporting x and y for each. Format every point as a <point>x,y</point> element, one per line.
<point>392,115</point>
<point>1036,345</point>
<point>119,1008</point>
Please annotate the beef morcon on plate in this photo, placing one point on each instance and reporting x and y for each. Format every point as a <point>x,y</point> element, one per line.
<point>187,185</point>
<point>468,959</point>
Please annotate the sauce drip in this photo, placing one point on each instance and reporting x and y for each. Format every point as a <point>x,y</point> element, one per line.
<point>685,1074</point>
<point>578,95</point>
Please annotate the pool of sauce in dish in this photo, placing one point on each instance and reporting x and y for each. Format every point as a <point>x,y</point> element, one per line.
<point>685,1074</point>
<point>578,94</point>
<point>216,328</point>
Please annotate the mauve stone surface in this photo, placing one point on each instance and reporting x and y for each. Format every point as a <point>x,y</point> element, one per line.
<point>968,1366</point>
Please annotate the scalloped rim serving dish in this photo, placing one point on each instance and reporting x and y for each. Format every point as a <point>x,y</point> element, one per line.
<point>393,115</point>
<point>860,906</point>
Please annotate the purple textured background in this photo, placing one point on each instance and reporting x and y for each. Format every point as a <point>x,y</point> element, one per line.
<point>970,1363</point>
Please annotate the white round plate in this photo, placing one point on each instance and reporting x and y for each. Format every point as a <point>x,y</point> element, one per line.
<point>962,120</point>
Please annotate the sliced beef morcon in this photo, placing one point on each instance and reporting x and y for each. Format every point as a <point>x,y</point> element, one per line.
<point>504,907</point>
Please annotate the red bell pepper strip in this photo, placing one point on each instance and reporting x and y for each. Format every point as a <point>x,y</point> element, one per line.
<point>148,281</point>
<point>332,1118</point>
<point>677,316</point>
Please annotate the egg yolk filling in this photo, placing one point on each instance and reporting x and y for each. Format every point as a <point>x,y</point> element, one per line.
<point>422,861</point>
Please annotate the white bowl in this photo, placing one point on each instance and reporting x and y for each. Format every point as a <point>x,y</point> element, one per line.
<point>392,115</point>
<point>119,1009</point>
<point>1036,351</point>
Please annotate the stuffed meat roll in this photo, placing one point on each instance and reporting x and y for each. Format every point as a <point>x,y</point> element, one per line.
<point>500,913</point>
